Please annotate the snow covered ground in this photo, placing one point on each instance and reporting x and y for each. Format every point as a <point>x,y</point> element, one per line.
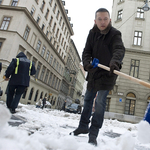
<point>49,129</point>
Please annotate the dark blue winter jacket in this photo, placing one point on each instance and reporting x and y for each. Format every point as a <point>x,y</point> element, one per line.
<point>23,76</point>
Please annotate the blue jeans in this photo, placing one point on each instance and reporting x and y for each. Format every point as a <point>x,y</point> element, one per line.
<point>14,93</point>
<point>98,115</point>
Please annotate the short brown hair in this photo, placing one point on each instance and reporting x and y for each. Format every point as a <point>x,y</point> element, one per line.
<point>102,10</point>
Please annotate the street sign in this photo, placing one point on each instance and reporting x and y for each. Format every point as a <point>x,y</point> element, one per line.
<point>120,100</point>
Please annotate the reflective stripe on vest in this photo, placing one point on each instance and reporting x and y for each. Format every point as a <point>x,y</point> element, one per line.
<point>16,69</point>
<point>30,67</point>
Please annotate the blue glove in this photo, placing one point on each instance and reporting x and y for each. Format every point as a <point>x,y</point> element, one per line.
<point>95,62</point>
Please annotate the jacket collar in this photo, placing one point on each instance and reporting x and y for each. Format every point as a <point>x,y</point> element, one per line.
<point>104,32</point>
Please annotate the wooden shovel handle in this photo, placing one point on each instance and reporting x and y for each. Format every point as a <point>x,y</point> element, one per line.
<point>126,76</point>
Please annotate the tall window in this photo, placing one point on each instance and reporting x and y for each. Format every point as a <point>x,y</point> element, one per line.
<point>47,12</point>
<point>26,34</point>
<point>43,51</point>
<point>1,44</point>
<point>38,71</point>
<point>32,11</point>
<point>130,104</point>
<point>47,55</point>
<point>58,12</point>
<point>60,20</point>
<point>43,4</point>
<point>137,38</point>
<point>43,26</point>
<point>50,79</point>
<point>140,13</point>
<point>119,16</point>
<point>5,23</point>
<point>63,25</point>
<point>46,77</point>
<point>38,19</point>
<point>57,66</point>
<point>24,94</point>
<point>54,9</point>
<point>42,74</point>
<point>54,63</point>
<point>58,84</point>
<point>134,68</point>
<point>57,32</point>
<point>47,33</point>
<point>51,59</point>
<point>14,3</point>
<point>53,81</point>
<point>60,37</point>
<point>36,95</point>
<point>55,85</point>
<point>50,22</point>
<point>38,46</point>
<point>30,95</point>
<point>54,27</point>
<point>108,101</point>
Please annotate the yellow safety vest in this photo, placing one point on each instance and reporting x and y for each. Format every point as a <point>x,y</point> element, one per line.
<point>16,69</point>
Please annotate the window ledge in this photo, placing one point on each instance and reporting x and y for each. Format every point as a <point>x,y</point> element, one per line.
<point>118,20</point>
<point>120,2</point>
<point>137,46</point>
<point>136,18</point>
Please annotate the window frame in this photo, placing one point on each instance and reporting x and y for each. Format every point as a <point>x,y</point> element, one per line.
<point>5,22</point>
<point>26,33</point>
<point>119,14</point>
<point>134,68</point>
<point>137,38</point>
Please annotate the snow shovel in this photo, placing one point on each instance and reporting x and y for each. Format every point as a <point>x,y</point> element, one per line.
<point>95,64</point>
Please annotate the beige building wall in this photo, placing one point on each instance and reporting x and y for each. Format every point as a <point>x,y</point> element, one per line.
<point>22,33</point>
<point>125,91</point>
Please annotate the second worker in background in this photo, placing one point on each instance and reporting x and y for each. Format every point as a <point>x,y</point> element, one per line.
<point>19,72</point>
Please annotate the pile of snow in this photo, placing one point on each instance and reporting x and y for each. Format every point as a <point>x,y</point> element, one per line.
<point>49,129</point>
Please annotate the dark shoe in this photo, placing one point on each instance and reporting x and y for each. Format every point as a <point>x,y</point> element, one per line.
<point>79,131</point>
<point>12,111</point>
<point>92,141</point>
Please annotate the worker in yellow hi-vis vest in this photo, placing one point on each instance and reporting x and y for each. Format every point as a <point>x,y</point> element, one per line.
<point>18,74</point>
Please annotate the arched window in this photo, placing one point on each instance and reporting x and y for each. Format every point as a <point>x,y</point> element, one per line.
<point>36,95</point>
<point>48,97</point>
<point>130,104</point>
<point>30,95</point>
<point>24,94</point>
<point>108,101</point>
<point>52,100</point>
<point>45,95</point>
<point>41,96</point>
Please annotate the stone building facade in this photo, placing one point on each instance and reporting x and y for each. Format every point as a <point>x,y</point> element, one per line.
<point>129,98</point>
<point>42,30</point>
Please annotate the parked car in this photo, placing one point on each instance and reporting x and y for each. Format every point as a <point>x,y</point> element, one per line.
<point>74,108</point>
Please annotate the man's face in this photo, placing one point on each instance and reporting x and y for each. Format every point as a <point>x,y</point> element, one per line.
<point>102,20</point>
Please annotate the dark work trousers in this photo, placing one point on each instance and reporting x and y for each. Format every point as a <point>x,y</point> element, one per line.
<point>14,93</point>
<point>98,115</point>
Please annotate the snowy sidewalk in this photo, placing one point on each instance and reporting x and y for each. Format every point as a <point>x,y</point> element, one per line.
<point>49,129</point>
<point>16,120</point>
